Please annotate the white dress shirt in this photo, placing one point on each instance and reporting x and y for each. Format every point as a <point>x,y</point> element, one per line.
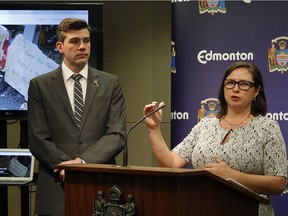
<point>69,82</point>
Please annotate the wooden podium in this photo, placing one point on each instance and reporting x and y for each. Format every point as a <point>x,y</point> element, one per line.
<point>157,191</point>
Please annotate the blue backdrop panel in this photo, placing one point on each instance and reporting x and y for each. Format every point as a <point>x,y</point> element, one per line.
<point>206,40</point>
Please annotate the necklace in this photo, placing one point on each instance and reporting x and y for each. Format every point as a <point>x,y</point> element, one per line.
<point>235,125</point>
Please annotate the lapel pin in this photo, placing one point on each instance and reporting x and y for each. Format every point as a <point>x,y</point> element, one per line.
<point>96,83</point>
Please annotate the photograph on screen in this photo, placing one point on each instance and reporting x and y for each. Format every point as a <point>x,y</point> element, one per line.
<point>15,165</point>
<point>27,50</point>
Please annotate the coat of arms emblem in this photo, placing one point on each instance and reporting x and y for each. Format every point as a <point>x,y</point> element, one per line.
<point>278,55</point>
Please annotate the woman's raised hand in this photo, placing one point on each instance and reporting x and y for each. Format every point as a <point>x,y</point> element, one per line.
<point>154,120</point>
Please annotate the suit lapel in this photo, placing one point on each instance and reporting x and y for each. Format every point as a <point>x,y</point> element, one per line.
<point>57,82</point>
<point>92,87</point>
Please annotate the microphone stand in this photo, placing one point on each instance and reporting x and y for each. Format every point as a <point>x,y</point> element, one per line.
<point>125,151</point>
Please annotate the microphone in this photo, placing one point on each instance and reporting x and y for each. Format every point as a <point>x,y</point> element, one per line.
<point>125,151</point>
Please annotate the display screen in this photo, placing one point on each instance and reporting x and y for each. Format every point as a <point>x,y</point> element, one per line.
<point>27,46</point>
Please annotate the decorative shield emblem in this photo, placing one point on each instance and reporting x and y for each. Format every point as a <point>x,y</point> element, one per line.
<point>282,58</point>
<point>208,108</point>
<point>212,3</point>
<point>211,6</point>
<point>278,55</point>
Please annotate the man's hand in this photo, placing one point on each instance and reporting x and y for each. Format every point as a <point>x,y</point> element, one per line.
<point>62,172</point>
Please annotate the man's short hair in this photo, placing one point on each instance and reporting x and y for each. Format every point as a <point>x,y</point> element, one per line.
<point>70,24</point>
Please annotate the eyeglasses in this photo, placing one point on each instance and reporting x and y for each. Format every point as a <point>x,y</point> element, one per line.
<point>243,84</point>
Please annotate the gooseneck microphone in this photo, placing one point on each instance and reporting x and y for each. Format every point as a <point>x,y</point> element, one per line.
<point>125,151</point>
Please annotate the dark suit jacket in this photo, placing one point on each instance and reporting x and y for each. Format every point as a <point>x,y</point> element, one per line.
<point>54,137</point>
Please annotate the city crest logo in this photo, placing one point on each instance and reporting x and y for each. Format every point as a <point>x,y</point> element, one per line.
<point>278,55</point>
<point>211,6</point>
<point>208,108</point>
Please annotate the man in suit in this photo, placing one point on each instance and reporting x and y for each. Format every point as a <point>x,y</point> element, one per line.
<point>56,136</point>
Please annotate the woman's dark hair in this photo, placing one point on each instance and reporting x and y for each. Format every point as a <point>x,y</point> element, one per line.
<point>259,106</point>
<point>70,24</point>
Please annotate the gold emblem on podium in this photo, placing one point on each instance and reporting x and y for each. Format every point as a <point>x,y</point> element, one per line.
<point>115,205</point>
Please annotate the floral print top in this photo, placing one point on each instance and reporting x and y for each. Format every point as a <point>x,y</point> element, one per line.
<point>256,148</point>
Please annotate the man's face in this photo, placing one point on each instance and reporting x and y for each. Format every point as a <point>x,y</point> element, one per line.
<point>75,49</point>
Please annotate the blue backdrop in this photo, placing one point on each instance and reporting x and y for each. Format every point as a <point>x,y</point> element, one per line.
<point>207,37</point>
